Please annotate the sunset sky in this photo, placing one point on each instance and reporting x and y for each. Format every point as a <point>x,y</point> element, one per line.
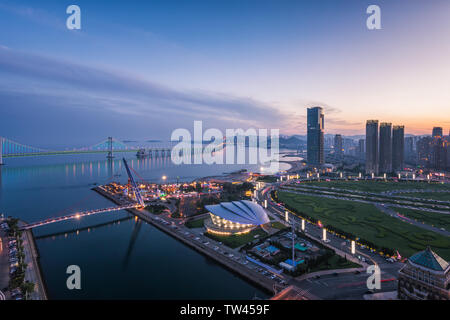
<point>140,69</point>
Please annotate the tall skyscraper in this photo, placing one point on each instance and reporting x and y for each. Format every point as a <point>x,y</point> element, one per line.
<point>424,150</point>
<point>315,141</point>
<point>398,147</point>
<point>437,132</point>
<point>338,147</point>
<point>410,155</point>
<point>372,146</point>
<point>361,148</point>
<point>385,147</point>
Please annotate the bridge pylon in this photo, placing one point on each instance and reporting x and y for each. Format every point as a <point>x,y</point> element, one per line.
<point>110,148</point>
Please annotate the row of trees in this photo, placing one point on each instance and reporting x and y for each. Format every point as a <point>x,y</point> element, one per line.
<point>17,279</point>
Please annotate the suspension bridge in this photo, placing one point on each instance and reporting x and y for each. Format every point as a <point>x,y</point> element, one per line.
<point>13,149</point>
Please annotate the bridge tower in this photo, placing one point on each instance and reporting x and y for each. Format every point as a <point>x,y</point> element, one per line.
<point>110,148</point>
<point>134,186</point>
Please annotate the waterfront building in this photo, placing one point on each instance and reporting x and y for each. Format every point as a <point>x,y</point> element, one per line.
<point>338,147</point>
<point>398,148</point>
<point>315,138</point>
<point>385,161</point>
<point>237,217</point>
<point>372,147</point>
<point>425,276</point>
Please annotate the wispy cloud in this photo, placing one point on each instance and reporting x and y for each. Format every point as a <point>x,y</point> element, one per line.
<point>131,94</point>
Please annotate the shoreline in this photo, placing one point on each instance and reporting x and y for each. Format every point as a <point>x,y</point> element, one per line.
<point>236,268</point>
<point>35,271</point>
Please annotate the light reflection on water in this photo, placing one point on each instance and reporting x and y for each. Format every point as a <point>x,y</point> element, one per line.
<point>120,257</point>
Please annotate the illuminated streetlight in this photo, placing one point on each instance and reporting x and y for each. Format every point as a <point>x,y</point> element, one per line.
<point>353,247</point>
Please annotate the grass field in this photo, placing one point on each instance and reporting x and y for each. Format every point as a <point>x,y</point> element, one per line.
<point>442,196</point>
<point>366,222</point>
<point>435,219</point>
<point>379,186</point>
<point>236,241</point>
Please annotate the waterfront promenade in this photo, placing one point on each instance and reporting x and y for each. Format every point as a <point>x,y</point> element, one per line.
<point>251,275</point>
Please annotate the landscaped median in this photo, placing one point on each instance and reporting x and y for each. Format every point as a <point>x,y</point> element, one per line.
<point>364,221</point>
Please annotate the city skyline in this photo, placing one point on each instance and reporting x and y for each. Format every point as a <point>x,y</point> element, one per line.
<point>141,76</point>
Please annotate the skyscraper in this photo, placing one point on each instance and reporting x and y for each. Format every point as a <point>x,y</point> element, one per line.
<point>338,148</point>
<point>315,136</point>
<point>361,148</point>
<point>398,147</point>
<point>385,147</point>
<point>437,132</point>
<point>410,155</point>
<point>372,146</point>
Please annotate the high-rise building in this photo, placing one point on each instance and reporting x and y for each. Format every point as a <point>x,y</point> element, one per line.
<point>437,132</point>
<point>338,147</point>
<point>315,141</point>
<point>398,147</point>
<point>361,149</point>
<point>385,164</point>
<point>409,150</point>
<point>424,148</point>
<point>439,153</point>
<point>372,146</point>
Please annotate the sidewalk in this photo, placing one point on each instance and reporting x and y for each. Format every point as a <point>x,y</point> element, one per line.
<point>33,273</point>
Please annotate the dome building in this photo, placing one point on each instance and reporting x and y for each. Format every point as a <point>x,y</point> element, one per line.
<point>237,217</point>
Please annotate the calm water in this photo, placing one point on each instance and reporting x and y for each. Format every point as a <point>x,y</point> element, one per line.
<point>119,256</point>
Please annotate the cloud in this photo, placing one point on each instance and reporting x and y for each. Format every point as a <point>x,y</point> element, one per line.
<point>93,88</point>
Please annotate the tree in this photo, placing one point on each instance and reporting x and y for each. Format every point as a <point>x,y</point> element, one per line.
<point>27,288</point>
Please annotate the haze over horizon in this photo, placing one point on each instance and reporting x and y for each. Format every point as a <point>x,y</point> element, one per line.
<point>140,70</point>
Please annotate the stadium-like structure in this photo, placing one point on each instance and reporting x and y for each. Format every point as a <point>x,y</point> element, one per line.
<point>235,217</point>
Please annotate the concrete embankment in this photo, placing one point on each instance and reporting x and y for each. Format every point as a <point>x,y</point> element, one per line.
<point>230,264</point>
<point>40,289</point>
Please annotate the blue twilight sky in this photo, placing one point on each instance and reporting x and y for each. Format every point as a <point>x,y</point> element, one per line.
<point>140,69</point>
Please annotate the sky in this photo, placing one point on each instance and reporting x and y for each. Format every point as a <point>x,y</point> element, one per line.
<point>141,69</point>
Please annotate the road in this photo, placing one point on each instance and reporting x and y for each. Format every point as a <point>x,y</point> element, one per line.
<point>347,285</point>
<point>382,206</point>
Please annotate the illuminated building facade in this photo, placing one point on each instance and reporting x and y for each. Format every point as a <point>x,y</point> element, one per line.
<point>235,217</point>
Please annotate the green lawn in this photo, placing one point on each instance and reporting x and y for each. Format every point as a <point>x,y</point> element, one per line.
<point>442,196</point>
<point>435,219</point>
<point>366,222</point>
<point>195,223</point>
<point>236,241</point>
<point>379,186</point>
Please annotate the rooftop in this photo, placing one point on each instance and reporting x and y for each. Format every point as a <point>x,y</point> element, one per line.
<point>243,211</point>
<point>429,259</point>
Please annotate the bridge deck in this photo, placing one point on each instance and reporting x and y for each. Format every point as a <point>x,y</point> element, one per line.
<point>78,215</point>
